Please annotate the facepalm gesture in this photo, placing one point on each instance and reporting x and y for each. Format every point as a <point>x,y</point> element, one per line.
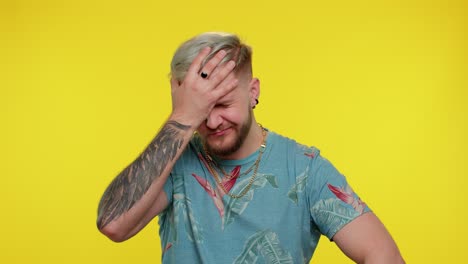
<point>195,97</point>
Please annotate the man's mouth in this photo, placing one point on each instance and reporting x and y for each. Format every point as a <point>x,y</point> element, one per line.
<point>218,133</point>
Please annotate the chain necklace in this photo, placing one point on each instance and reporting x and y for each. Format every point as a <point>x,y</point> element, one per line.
<point>254,167</point>
<point>228,175</point>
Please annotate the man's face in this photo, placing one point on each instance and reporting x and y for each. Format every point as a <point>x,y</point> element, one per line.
<point>228,124</point>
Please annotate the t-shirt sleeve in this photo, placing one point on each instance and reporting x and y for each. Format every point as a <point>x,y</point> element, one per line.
<point>332,202</point>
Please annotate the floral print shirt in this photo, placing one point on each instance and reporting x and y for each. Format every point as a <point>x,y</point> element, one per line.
<point>296,196</point>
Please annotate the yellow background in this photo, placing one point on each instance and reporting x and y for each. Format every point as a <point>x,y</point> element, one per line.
<point>379,86</point>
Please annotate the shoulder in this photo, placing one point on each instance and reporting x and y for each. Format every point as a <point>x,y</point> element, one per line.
<point>302,153</point>
<point>308,162</point>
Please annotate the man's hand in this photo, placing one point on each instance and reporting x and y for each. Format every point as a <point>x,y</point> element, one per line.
<point>195,97</point>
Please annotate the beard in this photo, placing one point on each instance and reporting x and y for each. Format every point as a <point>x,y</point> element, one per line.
<point>232,147</point>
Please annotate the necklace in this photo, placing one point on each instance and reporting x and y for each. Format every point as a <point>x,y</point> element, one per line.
<point>228,175</point>
<point>254,167</point>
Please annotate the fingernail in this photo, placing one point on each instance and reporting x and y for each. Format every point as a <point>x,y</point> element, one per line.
<point>231,64</point>
<point>222,52</point>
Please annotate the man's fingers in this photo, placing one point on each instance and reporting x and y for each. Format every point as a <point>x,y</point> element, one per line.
<point>212,64</point>
<point>216,71</point>
<point>196,63</point>
<point>226,86</point>
<point>223,71</point>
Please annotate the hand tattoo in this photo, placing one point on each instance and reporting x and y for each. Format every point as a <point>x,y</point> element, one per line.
<point>133,182</point>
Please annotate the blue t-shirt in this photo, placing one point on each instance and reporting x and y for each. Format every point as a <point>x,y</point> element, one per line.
<point>296,196</point>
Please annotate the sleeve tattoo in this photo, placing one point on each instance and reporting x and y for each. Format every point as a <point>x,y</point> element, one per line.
<point>133,182</point>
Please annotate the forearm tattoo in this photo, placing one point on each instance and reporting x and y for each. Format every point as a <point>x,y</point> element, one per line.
<point>130,185</point>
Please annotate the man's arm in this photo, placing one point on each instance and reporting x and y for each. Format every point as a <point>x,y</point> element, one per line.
<point>136,195</point>
<point>366,240</point>
<point>124,203</point>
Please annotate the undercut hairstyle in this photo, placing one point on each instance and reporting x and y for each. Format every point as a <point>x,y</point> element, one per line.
<point>236,50</point>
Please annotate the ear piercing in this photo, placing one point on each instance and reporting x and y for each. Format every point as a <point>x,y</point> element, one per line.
<point>256,103</point>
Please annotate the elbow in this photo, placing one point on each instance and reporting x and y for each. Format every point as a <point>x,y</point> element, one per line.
<point>113,232</point>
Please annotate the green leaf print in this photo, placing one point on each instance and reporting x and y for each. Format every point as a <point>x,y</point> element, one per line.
<point>299,186</point>
<point>173,222</point>
<point>332,213</point>
<point>182,205</point>
<point>272,180</point>
<point>172,214</point>
<point>234,207</point>
<point>251,249</point>
<point>167,218</point>
<point>192,227</point>
<point>272,251</point>
<point>268,245</point>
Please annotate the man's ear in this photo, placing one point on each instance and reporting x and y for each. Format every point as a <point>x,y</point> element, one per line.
<point>254,86</point>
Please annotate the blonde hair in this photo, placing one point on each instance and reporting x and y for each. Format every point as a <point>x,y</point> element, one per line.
<point>186,53</point>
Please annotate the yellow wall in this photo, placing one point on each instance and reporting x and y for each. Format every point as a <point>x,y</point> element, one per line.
<point>380,88</point>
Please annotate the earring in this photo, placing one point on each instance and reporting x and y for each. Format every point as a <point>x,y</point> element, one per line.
<point>256,103</point>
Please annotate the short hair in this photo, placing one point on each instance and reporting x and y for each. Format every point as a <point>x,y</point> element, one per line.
<point>235,48</point>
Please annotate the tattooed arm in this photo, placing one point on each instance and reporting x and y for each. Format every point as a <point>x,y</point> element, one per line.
<point>130,196</point>
<point>136,195</point>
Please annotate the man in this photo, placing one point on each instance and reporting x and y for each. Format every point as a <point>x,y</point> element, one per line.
<point>228,190</point>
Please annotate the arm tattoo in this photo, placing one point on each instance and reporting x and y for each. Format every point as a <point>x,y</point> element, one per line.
<point>133,182</point>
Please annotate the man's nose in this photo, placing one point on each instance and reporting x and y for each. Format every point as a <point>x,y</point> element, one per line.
<point>213,120</point>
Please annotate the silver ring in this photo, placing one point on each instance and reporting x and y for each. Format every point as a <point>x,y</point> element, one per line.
<point>204,75</point>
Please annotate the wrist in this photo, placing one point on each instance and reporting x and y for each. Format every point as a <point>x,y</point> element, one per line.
<point>184,121</point>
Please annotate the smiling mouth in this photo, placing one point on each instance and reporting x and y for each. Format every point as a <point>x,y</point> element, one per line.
<point>219,133</point>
